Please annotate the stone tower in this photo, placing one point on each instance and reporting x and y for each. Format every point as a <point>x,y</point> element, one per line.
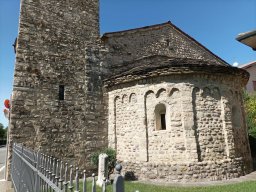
<point>57,98</point>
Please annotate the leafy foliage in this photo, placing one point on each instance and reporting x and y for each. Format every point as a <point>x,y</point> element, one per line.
<point>3,132</point>
<point>111,161</point>
<point>250,108</point>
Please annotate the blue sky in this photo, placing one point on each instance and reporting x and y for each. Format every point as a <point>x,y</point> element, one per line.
<point>214,23</point>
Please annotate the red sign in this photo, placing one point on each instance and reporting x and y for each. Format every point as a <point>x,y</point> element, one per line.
<point>7,103</point>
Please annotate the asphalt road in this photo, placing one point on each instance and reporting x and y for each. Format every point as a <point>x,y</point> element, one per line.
<point>2,161</point>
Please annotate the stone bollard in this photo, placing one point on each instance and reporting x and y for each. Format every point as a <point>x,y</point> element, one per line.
<point>118,185</point>
<point>102,169</point>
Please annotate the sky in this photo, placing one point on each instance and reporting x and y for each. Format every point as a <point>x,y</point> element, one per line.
<point>214,23</point>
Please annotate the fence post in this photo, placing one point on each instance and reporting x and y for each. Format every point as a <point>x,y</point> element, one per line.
<point>21,167</point>
<point>61,175</point>
<point>84,181</point>
<point>53,170</point>
<point>57,172</point>
<point>66,178</point>
<point>37,187</point>
<point>42,183</point>
<point>50,169</point>
<point>77,180</point>
<point>93,183</point>
<point>118,185</point>
<point>104,185</point>
<point>71,179</point>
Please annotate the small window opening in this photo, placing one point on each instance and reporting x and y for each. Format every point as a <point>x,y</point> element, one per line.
<point>61,92</point>
<point>160,117</point>
<point>168,42</point>
<point>163,125</point>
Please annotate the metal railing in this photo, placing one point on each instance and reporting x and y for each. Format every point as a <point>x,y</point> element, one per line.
<point>36,172</point>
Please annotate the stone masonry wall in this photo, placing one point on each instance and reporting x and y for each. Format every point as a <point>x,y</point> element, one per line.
<point>126,117</point>
<point>209,123</point>
<point>163,40</point>
<point>57,45</point>
<point>204,147</point>
<point>186,172</point>
<point>236,109</point>
<point>126,125</point>
<point>165,145</point>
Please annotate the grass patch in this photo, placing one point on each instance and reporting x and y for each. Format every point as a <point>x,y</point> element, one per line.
<point>249,186</point>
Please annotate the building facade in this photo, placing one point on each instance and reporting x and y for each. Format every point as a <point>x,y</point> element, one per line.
<point>170,108</point>
<point>251,69</point>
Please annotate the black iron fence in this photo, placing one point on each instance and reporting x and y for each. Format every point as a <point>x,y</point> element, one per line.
<point>35,172</point>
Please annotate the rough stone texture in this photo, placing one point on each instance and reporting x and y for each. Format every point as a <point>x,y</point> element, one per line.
<point>58,45</point>
<point>204,137</point>
<point>186,172</point>
<point>208,115</point>
<point>163,39</point>
<point>112,87</point>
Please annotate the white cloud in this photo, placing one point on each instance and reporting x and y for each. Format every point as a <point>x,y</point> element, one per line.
<point>235,64</point>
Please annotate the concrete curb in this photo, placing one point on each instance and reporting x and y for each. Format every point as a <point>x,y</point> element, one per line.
<point>249,177</point>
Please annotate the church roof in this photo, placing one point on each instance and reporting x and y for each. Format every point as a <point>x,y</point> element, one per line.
<point>157,27</point>
<point>166,62</point>
<point>171,65</point>
<point>140,53</point>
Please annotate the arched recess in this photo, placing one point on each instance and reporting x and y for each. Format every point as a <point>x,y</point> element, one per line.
<point>195,94</point>
<point>206,92</point>
<point>132,98</point>
<point>160,91</point>
<point>160,117</point>
<point>147,94</point>
<point>173,91</point>
<point>116,99</point>
<point>125,99</point>
<point>216,93</point>
<point>236,117</point>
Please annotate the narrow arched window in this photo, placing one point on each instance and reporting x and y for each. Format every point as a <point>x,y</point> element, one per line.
<point>160,117</point>
<point>236,117</point>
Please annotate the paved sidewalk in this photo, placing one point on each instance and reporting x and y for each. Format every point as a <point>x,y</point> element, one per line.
<point>5,186</point>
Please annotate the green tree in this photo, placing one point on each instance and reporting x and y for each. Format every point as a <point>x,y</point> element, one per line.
<point>250,108</point>
<point>2,132</point>
<point>6,130</point>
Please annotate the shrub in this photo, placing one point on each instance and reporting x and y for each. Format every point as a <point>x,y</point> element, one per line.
<point>250,108</point>
<point>111,160</point>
